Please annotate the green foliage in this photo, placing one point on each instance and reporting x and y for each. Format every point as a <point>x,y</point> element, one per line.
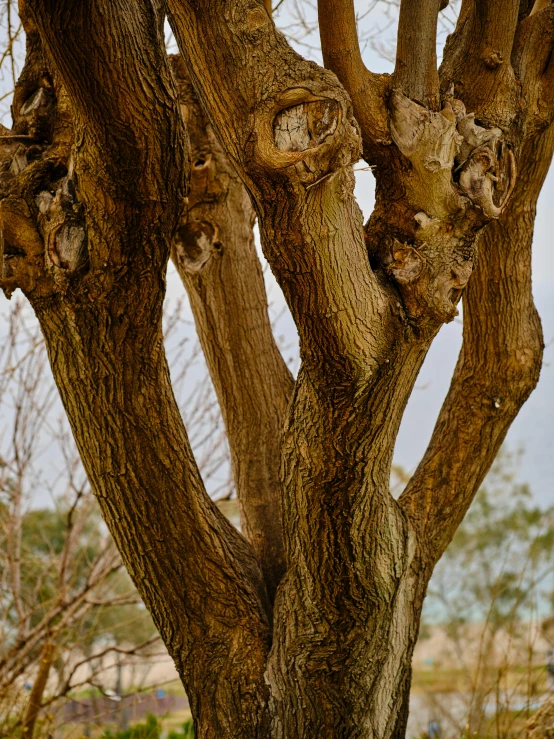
<point>152,729</point>
<point>149,730</point>
<point>186,733</point>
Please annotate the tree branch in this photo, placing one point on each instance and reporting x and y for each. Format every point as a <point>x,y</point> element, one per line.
<point>416,71</point>
<point>197,575</point>
<point>215,255</point>
<point>497,369</point>
<point>341,54</point>
<point>495,26</point>
<point>35,700</point>
<point>300,168</point>
<point>533,61</point>
<point>115,105</point>
<point>477,61</point>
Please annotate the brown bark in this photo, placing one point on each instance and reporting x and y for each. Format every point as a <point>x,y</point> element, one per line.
<point>215,255</point>
<point>114,382</point>
<point>88,239</point>
<point>416,53</point>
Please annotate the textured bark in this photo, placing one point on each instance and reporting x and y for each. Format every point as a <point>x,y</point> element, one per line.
<point>102,325</point>
<point>459,158</point>
<point>416,53</point>
<point>500,320</point>
<point>341,53</point>
<point>215,255</point>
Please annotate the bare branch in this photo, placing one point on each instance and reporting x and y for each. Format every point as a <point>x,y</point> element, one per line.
<point>341,54</point>
<point>35,700</point>
<point>215,255</point>
<point>416,70</point>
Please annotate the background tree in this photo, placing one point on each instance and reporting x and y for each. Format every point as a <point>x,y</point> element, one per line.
<point>305,626</point>
<point>490,595</point>
<point>66,604</point>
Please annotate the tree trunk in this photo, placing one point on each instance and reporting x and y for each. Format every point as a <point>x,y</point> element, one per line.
<point>215,255</point>
<point>541,726</point>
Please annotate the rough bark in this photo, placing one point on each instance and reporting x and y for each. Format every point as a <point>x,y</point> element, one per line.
<point>416,54</point>
<point>341,53</point>
<point>101,318</point>
<point>87,237</point>
<point>215,255</point>
<point>500,321</point>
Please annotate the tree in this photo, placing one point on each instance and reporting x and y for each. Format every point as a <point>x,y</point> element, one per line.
<point>490,594</point>
<point>305,626</point>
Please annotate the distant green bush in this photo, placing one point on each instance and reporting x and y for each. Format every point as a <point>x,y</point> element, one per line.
<point>152,729</point>
<point>186,733</point>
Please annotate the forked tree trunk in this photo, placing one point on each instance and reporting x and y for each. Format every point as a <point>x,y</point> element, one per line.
<point>303,628</point>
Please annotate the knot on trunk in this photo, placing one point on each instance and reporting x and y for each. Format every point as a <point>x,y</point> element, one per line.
<point>453,159</point>
<point>305,126</point>
<point>306,135</point>
<point>455,175</point>
<point>194,244</point>
<point>61,220</point>
<point>430,280</point>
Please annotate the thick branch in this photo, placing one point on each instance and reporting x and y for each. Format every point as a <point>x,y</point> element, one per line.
<point>477,61</point>
<point>496,22</point>
<point>416,53</point>
<point>497,369</point>
<point>122,118</point>
<point>294,150</point>
<point>341,54</point>
<point>533,60</point>
<point>215,255</point>
<point>103,330</point>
